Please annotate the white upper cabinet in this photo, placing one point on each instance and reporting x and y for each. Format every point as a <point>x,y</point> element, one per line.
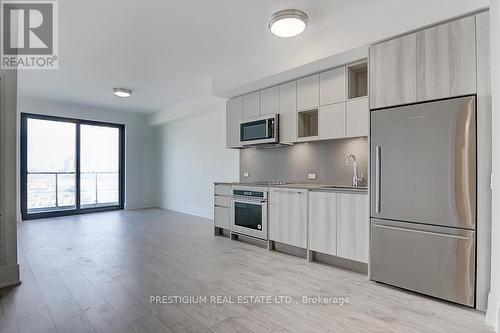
<point>331,121</point>
<point>393,70</point>
<point>270,101</point>
<point>357,117</point>
<point>329,105</point>
<point>332,86</point>
<point>437,62</point>
<point>234,115</point>
<point>446,60</point>
<point>288,112</point>
<point>308,92</point>
<point>251,105</point>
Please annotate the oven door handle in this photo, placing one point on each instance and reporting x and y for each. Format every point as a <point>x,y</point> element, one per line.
<point>250,201</point>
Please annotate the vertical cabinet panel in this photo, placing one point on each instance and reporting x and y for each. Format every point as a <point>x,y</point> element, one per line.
<point>270,101</point>
<point>323,222</point>
<point>352,226</point>
<point>332,86</point>
<point>357,114</point>
<point>446,60</point>
<point>234,115</point>
<point>483,159</point>
<point>288,112</point>
<point>251,105</point>
<point>308,92</point>
<point>393,70</point>
<point>331,121</point>
<point>288,216</point>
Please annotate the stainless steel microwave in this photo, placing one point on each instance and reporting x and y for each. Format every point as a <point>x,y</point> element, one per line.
<point>260,130</point>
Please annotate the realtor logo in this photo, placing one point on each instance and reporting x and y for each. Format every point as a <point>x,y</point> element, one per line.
<point>29,35</point>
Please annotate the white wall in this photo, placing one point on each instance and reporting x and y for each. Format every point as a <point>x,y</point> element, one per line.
<point>192,156</point>
<point>140,145</point>
<point>493,315</point>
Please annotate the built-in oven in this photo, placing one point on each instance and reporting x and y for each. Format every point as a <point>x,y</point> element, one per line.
<point>249,211</point>
<point>260,130</point>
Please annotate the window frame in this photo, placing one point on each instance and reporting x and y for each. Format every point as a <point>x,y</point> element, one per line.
<point>78,210</point>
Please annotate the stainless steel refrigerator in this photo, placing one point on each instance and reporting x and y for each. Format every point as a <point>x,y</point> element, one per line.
<point>423,198</point>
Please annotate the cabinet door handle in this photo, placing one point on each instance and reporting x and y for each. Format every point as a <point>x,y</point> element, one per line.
<point>378,157</point>
<point>433,233</point>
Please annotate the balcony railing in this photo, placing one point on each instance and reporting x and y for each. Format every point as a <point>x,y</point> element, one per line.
<point>50,191</point>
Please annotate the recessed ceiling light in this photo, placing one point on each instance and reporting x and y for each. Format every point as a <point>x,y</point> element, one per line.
<point>122,92</point>
<point>288,23</point>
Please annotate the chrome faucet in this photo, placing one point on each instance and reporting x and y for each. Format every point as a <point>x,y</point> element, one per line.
<point>355,178</point>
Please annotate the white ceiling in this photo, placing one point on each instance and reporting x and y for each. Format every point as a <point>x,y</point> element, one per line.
<point>169,52</point>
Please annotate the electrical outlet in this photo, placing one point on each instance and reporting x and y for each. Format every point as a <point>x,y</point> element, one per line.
<point>311,176</point>
<point>246,174</point>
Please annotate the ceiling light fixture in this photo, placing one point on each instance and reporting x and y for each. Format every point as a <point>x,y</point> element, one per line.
<point>288,23</point>
<point>122,92</point>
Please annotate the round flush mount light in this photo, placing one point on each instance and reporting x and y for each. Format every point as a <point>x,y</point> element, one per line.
<point>288,23</point>
<point>122,92</point>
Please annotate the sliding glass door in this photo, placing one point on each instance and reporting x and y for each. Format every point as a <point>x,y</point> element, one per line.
<point>51,171</point>
<point>70,166</point>
<point>100,166</point>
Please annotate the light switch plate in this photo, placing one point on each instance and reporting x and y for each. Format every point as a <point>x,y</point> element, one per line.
<point>311,176</point>
<point>246,174</point>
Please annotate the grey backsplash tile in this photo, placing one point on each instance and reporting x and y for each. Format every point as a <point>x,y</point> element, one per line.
<point>293,163</point>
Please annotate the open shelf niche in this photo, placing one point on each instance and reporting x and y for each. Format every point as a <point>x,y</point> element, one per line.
<point>357,80</point>
<point>307,123</point>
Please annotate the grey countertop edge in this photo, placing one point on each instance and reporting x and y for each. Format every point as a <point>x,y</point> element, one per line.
<point>313,188</point>
<point>341,189</point>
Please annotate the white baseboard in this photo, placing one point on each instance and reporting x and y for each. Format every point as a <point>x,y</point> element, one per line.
<point>135,207</point>
<point>9,275</point>
<point>191,210</point>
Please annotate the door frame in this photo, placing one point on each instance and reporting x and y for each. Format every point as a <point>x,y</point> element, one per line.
<point>24,167</point>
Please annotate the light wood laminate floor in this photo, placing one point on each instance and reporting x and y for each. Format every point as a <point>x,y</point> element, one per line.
<point>96,273</point>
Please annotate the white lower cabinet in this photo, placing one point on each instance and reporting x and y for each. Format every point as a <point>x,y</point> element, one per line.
<point>323,222</point>
<point>222,206</point>
<point>352,226</point>
<point>222,217</point>
<point>338,224</point>
<point>288,216</point>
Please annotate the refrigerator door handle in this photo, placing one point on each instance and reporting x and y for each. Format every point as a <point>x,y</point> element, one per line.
<point>422,232</point>
<point>377,179</point>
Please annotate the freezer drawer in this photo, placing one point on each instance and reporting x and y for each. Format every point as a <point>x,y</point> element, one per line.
<point>424,163</point>
<point>436,261</point>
